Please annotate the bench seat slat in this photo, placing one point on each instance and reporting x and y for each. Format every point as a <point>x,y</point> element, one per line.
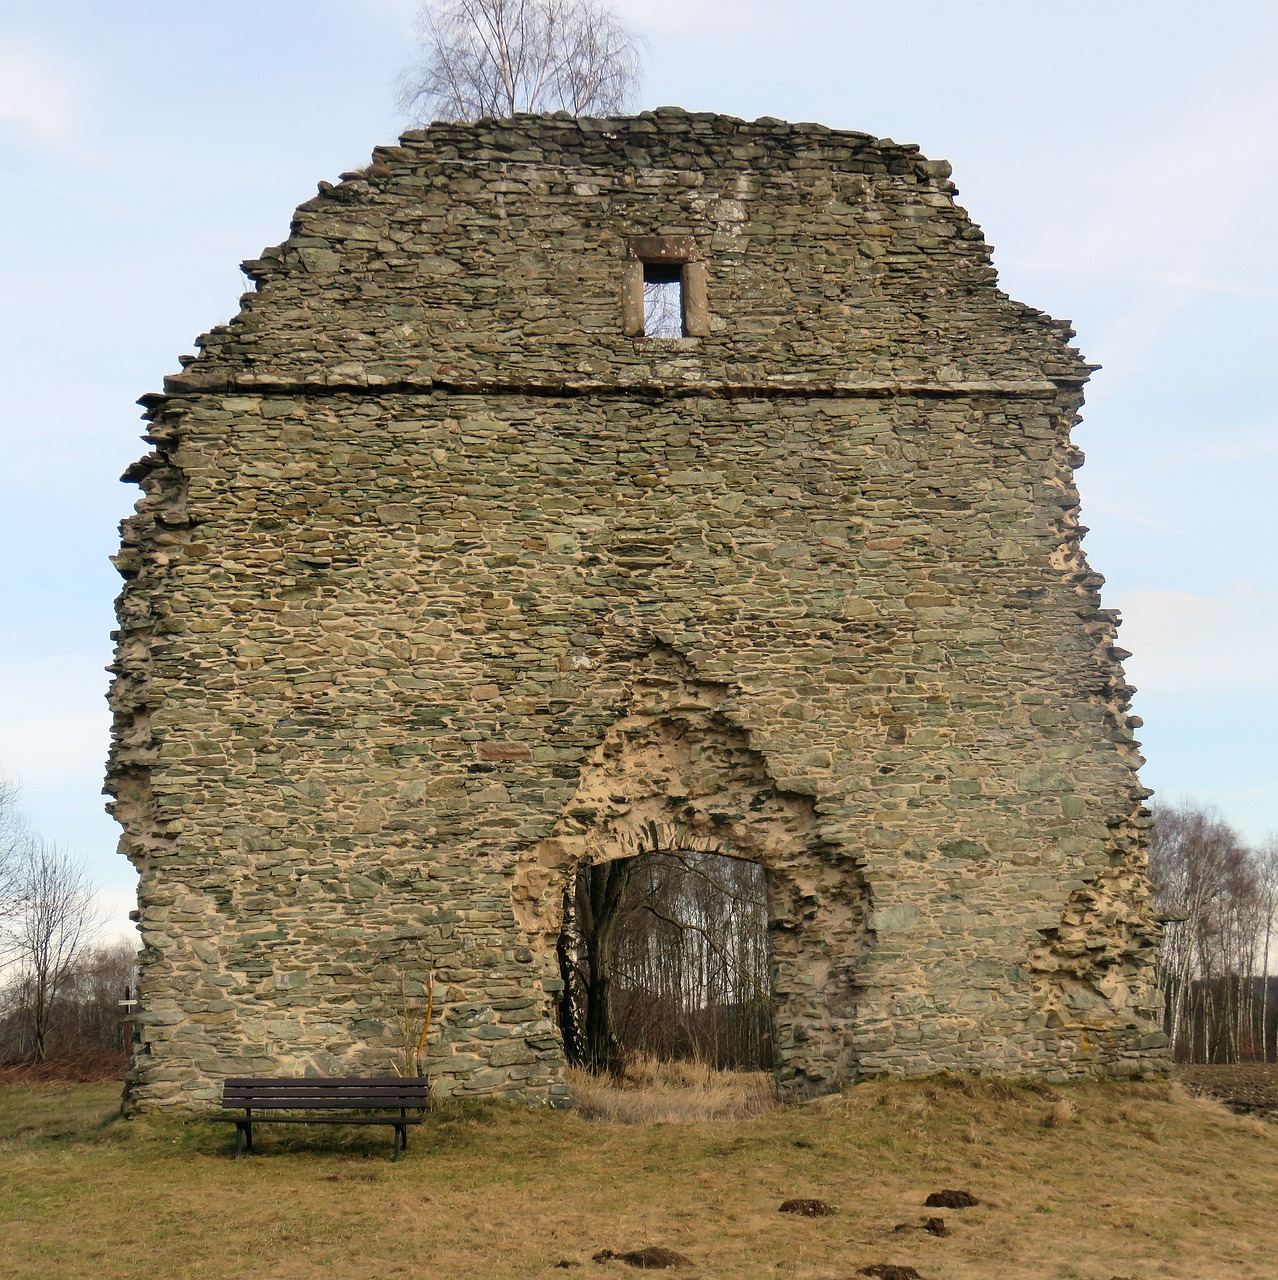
<point>328,1093</point>
<point>321,1093</point>
<point>394,1092</point>
<point>346,1086</point>
<point>395,1120</point>
<point>314,1096</point>
<point>412,1104</point>
<point>325,1082</point>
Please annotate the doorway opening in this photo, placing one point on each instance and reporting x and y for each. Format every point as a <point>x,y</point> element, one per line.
<point>665,956</point>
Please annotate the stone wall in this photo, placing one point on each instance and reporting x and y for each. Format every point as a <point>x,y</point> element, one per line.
<point>442,586</point>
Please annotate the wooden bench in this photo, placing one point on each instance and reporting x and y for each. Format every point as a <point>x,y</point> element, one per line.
<point>319,1093</point>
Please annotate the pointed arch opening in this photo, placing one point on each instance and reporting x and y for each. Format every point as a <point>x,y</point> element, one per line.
<point>677,776</point>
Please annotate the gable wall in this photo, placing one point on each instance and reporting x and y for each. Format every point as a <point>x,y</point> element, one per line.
<point>379,619</point>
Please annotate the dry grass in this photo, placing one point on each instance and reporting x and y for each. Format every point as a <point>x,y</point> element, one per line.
<point>653,1092</point>
<point>85,1066</point>
<point>1140,1181</point>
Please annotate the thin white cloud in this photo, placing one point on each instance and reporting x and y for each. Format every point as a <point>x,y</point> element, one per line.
<point>41,749</point>
<point>1164,210</point>
<point>1204,494</point>
<point>1230,288</point>
<point>1187,643</point>
<point>1248,446</point>
<point>55,722</point>
<point>40,94</point>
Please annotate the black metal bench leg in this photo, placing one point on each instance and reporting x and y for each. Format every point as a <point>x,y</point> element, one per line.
<point>239,1138</point>
<point>399,1133</point>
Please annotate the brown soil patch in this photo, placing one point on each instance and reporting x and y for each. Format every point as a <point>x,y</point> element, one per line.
<point>933,1226</point>
<point>1247,1088</point>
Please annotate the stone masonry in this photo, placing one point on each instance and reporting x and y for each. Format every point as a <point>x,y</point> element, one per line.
<point>447,581</point>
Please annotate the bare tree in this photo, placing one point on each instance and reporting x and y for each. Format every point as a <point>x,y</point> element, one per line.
<point>14,838</point>
<point>497,57</point>
<point>1218,898</point>
<point>594,907</point>
<point>53,924</point>
<point>84,1018</point>
<point>666,954</point>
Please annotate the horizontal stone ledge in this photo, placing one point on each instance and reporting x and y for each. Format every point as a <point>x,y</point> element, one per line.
<point>324,385</point>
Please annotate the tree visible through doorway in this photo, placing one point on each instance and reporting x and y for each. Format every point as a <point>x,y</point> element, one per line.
<point>665,954</point>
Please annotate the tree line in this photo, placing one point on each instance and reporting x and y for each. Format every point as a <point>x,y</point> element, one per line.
<point>1218,898</point>
<point>59,986</point>
<point>665,955</point>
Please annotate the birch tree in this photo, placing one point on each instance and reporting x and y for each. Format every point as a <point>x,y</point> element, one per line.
<point>54,921</point>
<point>498,57</point>
<point>1218,897</point>
<point>666,954</point>
<point>13,839</point>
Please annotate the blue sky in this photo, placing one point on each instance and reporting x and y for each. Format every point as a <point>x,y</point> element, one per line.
<point>1121,156</point>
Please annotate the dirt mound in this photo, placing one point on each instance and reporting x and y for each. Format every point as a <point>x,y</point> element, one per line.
<point>84,1066</point>
<point>653,1257</point>
<point>808,1208</point>
<point>933,1226</point>
<point>951,1200</point>
<point>889,1271</point>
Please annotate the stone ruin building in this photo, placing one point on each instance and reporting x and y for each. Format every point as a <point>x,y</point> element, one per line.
<point>455,572</point>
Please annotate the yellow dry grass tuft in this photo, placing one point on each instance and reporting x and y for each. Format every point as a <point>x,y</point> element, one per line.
<point>652,1092</point>
<point>1061,1114</point>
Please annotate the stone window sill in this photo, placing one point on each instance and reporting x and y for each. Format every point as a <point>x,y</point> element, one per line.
<point>667,344</point>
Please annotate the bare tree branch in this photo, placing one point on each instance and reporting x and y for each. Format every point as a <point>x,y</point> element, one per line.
<point>54,922</point>
<point>1218,898</point>
<point>497,57</point>
<point>14,838</point>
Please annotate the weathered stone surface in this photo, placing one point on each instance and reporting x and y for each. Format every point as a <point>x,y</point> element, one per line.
<point>442,585</point>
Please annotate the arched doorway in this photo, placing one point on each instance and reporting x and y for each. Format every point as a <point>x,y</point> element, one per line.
<point>675,774</point>
<point>666,955</point>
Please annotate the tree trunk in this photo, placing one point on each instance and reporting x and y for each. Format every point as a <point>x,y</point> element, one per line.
<point>600,892</point>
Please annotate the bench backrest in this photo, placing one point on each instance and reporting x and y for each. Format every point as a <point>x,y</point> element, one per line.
<point>326,1092</point>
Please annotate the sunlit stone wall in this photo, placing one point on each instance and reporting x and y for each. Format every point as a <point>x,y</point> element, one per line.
<point>443,578</point>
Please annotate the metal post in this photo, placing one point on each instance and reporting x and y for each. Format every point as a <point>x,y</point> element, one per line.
<point>127,1006</point>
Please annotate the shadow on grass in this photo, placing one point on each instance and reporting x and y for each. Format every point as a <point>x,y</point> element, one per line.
<point>65,1114</point>
<point>452,1129</point>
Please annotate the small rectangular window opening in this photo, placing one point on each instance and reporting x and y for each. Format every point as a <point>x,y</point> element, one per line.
<point>663,300</point>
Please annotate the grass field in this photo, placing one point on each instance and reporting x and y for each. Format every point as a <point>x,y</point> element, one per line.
<point>1084,1182</point>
